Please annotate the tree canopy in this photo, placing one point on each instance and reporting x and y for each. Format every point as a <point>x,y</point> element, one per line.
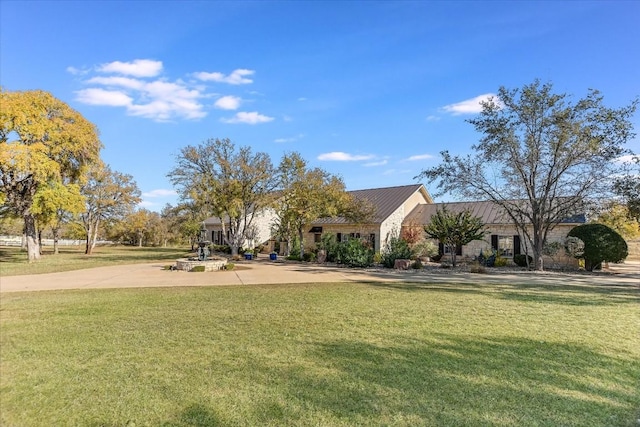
<point>109,195</point>
<point>541,157</point>
<point>42,141</point>
<point>306,194</point>
<point>454,229</point>
<point>601,244</point>
<point>232,184</point>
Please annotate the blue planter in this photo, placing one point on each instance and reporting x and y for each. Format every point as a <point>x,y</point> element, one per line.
<point>273,257</point>
<point>248,256</point>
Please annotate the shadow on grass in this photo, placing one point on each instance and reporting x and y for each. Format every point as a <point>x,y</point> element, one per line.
<point>448,380</point>
<point>577,295</point>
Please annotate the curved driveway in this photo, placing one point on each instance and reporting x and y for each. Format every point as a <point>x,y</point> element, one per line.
<point>265,272</point>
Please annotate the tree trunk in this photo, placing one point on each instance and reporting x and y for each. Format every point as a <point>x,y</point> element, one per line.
<point>140,240</point>
<point>33,248</point>
<point>300,236</point>
<point>23,242</point>
<point>40,241</point>
<point>56,236</point>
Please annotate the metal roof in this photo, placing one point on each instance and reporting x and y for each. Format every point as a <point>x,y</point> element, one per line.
<point>385,201</point>
<point>488,211</point>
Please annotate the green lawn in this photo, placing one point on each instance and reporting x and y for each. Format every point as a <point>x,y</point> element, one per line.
<point>322,355</point>
<point>14,262</point>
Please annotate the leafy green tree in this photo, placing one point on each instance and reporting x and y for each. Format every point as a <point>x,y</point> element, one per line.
<point>54,143</point>
<point>306,194</point>
<point>541,157</point>
<point>185,220</point>
<point>601,244</point>
<point>55,205</point>
<point>109,196</point>
<point>617,216</point>
<point>454,229</point>
<point>627,186</point>
<point>231,184</point>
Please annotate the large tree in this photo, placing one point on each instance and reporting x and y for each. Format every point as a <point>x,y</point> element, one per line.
<point>541,157</point>
<point>56,205</point>
<point>109,195</point>
<point>307,194</point>
<point>232,184</point>
<point>53,143</point>
<point>454,229</point>
<point>627,186</point>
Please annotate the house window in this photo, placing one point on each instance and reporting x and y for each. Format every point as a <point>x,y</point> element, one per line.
<point>317,238</point>
<point>503,245</point>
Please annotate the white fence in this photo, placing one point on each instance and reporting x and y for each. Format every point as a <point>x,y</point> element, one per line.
<point>17,241</point>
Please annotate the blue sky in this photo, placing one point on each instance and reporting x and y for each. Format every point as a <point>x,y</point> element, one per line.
<point>371,91</point>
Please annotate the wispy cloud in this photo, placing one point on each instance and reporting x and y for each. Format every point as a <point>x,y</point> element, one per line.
<point>136,68</point>
<point>380,163</point>
<point>433,118</point>
<point>290,139</point>
<point>98,96</point>
<point>469,106</point>
<point>139,87</point>
<point>228,103</point>
<point>251,118</point>
<point>160,192</point>
<point>339,156</point>
<point>420,157</point>
<point>237,77</point>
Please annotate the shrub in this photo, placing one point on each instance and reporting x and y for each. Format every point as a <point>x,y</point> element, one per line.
<point>377,258</point>
<point>309,256</point>
<point>521,260</point>
<point>329,243</point>
<point>355,253</point>
<point>229,266</point>
<point>601,243</point>
<point>417,264</point>
<point>500,261</point>
<point>476,267</point>
<point>425,248</point>
<point>396,249</point>
<point>294,257</point>
<point>198,269</point>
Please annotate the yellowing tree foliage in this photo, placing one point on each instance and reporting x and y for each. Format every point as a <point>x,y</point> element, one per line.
<point>42,141</point>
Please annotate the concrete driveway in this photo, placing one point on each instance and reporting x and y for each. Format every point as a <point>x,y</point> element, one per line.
<point>266,272</point>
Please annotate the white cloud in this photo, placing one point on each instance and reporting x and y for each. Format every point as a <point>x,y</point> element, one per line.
<point>630,158</point>
<point>237,77</point>
<point>433,118</point>
<point>340,156</point>
<point>77,71</point>
<point>251,118</point>
<point>228,103</point>
<point>136,86</point>
<point>469,106</point>
<point>136,68</point>
<point>420,157</point>
<point>160,192</point>
<point>380,163</point>
<point>110,98</point>
<point>292,139</point>
<point>302,99</point>
<point>125,82</point>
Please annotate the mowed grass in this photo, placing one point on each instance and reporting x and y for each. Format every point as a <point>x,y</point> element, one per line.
<point>322,355</point>
<point>13,261</point>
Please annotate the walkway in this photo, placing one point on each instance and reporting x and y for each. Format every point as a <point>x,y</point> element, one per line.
<point>265,272</point>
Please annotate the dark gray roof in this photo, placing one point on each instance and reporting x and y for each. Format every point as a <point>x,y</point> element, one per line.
<point>488,211</point>
<point>385,201</point>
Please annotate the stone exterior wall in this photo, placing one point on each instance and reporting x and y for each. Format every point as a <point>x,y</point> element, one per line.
<point>558,234</point>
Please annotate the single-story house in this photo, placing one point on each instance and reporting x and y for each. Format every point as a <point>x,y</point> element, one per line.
<point>502,235</point>
<point>401,207</point>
